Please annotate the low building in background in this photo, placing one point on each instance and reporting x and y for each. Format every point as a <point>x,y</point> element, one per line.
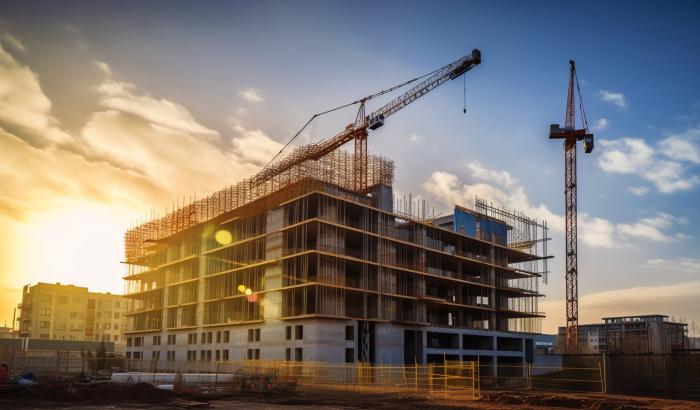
<point>632,334</point>
<point>50,347</point>
<point>69,312</point>
<point>694,342</point>
<point>7,332</point>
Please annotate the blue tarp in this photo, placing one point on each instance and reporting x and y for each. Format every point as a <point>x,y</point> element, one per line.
<point>465,223</point>
<point>493,230</point>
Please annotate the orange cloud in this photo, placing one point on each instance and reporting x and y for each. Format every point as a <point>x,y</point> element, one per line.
<point>678,300</point>
<point>136,152</point>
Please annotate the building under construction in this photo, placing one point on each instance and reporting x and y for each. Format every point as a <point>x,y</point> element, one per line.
<point>304,266</point>
<point>310,260</point>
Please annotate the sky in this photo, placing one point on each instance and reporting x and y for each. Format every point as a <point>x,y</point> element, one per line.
<point>112,111</point>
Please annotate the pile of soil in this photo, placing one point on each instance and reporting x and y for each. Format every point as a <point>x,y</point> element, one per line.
<point>86,392</point>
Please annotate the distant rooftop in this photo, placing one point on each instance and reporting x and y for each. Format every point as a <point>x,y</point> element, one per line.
<point>627,319</point>
<point>636,318</point>
<point>28,288</point>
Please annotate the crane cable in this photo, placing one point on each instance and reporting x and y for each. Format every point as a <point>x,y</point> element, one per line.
<point>580,103</point>
<point>465,94</point>
<point>362,100</point>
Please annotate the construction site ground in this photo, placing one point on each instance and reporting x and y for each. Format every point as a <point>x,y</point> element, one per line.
<point>64,395</point>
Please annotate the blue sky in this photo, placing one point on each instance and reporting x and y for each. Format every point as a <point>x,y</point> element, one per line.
<point>241,77</point>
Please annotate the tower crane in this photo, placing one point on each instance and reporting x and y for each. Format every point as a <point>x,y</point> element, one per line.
<point>571,136</point>
<point>358,132</point>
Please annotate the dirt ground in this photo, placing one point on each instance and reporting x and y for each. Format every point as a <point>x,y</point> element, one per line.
<point>489,400</point>
<point>63,395</point>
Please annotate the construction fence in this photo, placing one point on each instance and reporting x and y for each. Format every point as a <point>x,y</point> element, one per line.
<point>542,377</point>
<point>455,380</point>
<point>672,375</point>
<point>59,364</point>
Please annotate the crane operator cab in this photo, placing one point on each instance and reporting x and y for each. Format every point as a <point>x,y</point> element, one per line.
<point>588,143</point>
<point>376,122</point>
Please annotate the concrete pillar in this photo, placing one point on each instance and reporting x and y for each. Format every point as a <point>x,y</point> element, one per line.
<point>274,247</point>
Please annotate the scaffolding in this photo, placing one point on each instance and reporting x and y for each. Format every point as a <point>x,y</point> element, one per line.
<point>337,168</point>
<point>529,236</point>
<point>310,242</point>
<point>524,233</point>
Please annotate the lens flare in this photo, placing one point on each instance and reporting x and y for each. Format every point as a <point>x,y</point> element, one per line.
<point>249,291</point>
<point>223,237</point>
<point>241,288</point>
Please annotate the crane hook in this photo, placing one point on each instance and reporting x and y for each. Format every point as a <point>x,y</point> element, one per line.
<point>464,77</point>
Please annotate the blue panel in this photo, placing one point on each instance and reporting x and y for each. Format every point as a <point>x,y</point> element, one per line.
<point>464,223</point>
<point>494,231</point>
<point>490,230</point>
<point>501,233</point>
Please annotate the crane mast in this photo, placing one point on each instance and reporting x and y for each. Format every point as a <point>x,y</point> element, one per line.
<point>571,136</point>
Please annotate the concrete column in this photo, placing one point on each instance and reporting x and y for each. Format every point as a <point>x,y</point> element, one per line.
<point>273,273</point>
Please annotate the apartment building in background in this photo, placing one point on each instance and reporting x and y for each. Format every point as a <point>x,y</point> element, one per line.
<point>632,334</point>
<point>7,332</point>
<point>69,312</point>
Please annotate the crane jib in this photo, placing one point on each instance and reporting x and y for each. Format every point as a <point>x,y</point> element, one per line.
<point>467,65</point>
<point>448,72</point>
<point>374,120</point>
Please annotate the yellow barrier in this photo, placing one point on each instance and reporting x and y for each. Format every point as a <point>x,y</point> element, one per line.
<point>456,381</point>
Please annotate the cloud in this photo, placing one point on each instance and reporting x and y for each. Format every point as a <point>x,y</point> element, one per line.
<point>251,94</point>
<point>13,42</point>
<point>664,166</point>
<point>479,172</point>
<point>600,124</point>
<point>23,104</point>
<point>123,97</point>
<point>647,299</point>
<point>104,68</point>
<point>625,155</point>
<point>71,28</point>
<point>678,300</point>
<point>135,152</point>
<point>502,188</point>
<point>33,179</point>
<point>597,232</point>
<point>415,138</point>
<point>681,148</point>
<point>649,228</point>
<point>669,177</point>
<point>254,146</point>
<point>447,188</point>
<point>497,186</point>
<point>613,98</point>
<point>241,112</point>
<point>639,190</point>
<point>682,264</point>
<point>134,149</point>
<point>159,138</point>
